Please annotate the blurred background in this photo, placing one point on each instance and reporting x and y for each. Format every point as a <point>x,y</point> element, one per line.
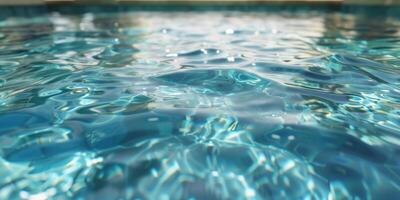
<point>347,2</point>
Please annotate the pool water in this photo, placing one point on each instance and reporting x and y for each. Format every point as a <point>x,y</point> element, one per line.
<point>211,104</point>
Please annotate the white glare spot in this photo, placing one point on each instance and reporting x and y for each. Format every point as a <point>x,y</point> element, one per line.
<point>276,137</point>
<point>229,31</point>
<point>153,119</point>
<point>40,196</point>
<point>51,191</point>
<point>86,101</point>
<point>172,55</point>
<point>154,172</point>
<point>24,195</point>
<point>231,59</point>
<point>310,185</point>
<point>288,166</point>
<point>249,193</point>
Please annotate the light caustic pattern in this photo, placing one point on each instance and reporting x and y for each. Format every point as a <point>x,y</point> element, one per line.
<point>200,105</point>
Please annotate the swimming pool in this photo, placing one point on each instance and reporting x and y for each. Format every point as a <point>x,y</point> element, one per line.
<point>286,103</point>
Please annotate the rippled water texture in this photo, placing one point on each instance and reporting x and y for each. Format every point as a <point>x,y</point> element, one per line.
<point>200,105</point>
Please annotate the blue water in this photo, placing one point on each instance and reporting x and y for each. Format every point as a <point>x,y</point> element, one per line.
<point>200,105</point>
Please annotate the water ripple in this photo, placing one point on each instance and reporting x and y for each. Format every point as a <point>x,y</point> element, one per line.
<point>200,105</point>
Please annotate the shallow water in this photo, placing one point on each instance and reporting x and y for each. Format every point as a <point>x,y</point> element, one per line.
<point>200,105</point>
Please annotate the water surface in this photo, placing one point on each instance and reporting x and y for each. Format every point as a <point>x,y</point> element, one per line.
<point>200,105</point>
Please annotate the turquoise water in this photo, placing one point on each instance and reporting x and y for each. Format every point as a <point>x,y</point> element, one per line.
<point>200,105</point>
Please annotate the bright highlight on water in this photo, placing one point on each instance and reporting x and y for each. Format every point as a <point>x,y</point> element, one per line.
<point>200,105</point>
